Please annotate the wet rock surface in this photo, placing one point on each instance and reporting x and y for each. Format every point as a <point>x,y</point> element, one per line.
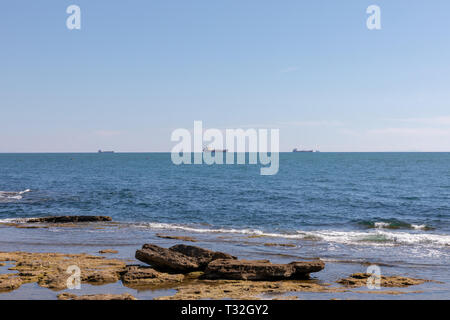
<point>138,276</point>
<point>106,251</point>
<point>360,280</point>
<point>229,289</point>
<point>69,296</point>
<point>50,270</point>
<point>9,282</point>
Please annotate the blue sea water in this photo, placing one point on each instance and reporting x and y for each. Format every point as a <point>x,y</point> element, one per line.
<point>391,209</point>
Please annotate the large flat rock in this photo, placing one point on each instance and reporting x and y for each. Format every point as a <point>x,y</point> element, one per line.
<point>179,258</point>
<point>218,265</point>
<point>166,259</point>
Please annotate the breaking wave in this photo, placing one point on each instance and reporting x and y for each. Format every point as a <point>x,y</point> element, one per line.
<point>7,196</point>
<point>393,224</point>
<point>371,237</point>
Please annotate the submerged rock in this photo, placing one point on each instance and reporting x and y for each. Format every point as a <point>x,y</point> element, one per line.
<point>106,251</point>
<point>68,219</point>
<point>69,296</point>
<point>360,280</point>
<point>260,270</point>
<point>182,238</point>
<point>270,244</point>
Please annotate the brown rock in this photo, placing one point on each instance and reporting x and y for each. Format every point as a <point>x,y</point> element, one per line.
<point>203,256</point>
<point>69,296</point>
<point>240,289</point>
<point>179,258</point>
<point>138,276</point>
<point>54,281</point>
<point>360,280</point>
<point>260,270</point>
<point>9,282</point>
<point>306,267</point>
<point>100,276</point>
<point>50,270</point>
<point>67,219</point>
<point>165,259</point>
<point>108,251</point>
<point>182,238</point>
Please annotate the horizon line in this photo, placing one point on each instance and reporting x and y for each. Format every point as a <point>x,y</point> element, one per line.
<point>122,152</point>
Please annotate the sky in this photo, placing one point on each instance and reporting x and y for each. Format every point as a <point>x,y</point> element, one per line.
<point>137,70</point>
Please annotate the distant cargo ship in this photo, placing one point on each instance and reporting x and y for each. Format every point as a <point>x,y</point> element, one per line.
<point>101,151</point>
<point>298,150</point>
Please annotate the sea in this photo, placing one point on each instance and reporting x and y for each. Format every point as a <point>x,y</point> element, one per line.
<point>352,210</point>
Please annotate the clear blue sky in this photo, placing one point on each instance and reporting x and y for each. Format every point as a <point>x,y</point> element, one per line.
<point>139,69</point>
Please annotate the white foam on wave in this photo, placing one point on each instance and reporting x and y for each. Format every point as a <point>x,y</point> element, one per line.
<point>373,237</point>
<point>381,225</point>
<point>12,195</point>
<point>381,237</point>
<point>419,227</point>
<point>15,220</point>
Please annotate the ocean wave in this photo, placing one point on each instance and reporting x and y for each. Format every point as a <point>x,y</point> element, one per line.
<point>371,237</point>
<point>393,224</point>
<point>6,196</point>
<point>381,237</point>
<point>15,220</point>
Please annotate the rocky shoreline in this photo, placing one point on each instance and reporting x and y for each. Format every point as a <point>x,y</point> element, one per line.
<point>194,272</point>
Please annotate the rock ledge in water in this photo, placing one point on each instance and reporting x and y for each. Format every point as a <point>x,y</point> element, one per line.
<point>68,219</point>
<point>218,265</point>
<point>261,270</point>
<point>138,276</point>
<point>50,270</point>
<point>360,280</point>
<point>9,282</point>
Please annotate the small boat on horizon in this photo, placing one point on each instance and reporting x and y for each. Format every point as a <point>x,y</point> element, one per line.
<point>101,151</point>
